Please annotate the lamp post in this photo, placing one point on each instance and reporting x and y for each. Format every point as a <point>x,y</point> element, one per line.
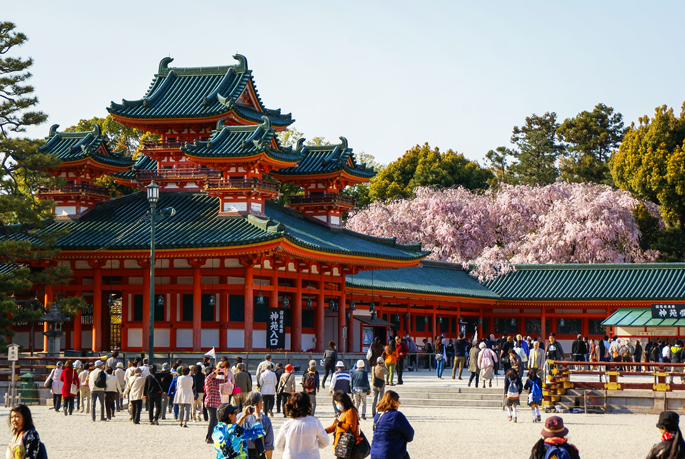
<point>153,198</point>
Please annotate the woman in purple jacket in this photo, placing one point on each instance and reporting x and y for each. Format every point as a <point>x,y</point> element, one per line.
<point>391,430</point>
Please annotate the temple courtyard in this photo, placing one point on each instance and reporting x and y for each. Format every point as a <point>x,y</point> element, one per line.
<point>440,432</point>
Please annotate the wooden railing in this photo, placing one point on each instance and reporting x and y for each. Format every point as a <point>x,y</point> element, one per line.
<point>161,145</point>
<point>79,188</point>
<point>331,198</point>
<point>179,174</point>
<point>239,184</point>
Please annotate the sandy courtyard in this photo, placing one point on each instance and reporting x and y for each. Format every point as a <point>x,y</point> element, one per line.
<point>440,433</point>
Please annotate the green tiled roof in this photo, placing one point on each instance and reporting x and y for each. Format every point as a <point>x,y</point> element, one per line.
<point>198,92</point>
<point>143,163</point>
<point>431,278</point>
<point>639,317</point>
<point>324,159</point>
<point>239,141</point>
<point>74,146</point>
<point>196,224</point>
<point>629,281</point>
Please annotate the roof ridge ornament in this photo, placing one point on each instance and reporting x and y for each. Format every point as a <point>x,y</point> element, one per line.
<point>164,64</point>
<point>146,104</point>
<point>344,142</point>
<point>241,67</point>
<point>205,102</point>
<point>226,101</point>
<point>300,143</point>
<point>220,124</point>
<point>53,130</point>
<point>266,123</point>
<point>96,129</point>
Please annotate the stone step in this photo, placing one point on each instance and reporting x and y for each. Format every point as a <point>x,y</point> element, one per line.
<point>444,390</point>
<point>462,403</point>
<point>450,396</point>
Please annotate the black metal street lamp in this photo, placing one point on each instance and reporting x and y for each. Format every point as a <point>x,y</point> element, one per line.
<point>153,199</point>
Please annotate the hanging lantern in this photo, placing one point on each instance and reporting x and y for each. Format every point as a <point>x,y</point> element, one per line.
<point>561,322</point>
<point>352,306</point>
<point>310,304</point>
<point>110,301</point>
<point>212,301</point>
<point>439,319</point>
<point>160,300</point>
<point>286,302</point>
<point>513,322</point>
<point>407,316</point>
<point>425,319</point>
<point>331,304</point>
<point>348,314</point>
<point>260,298</point>
<point>372,307</point>
<point>480,321</point>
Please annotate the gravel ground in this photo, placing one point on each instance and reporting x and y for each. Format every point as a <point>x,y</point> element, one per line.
<point>440,432</point>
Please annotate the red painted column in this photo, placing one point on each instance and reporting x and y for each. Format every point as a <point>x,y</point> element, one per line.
<point>296,318</point>
<point>435,324</point>
<point>78,328</point>
<point>273,298</point>
<point>124,320</point>
<point>223,321</point>
<point>146,305</point>
<point>48,302</point>
<point>543,329</point>
<point>319,318</point>
<point>341,317</point>
<point>197,307</point>
<point>248,324</point>
<point>97,309</point>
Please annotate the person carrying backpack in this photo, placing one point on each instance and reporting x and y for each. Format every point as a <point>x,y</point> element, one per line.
<point>310,383</point>
<point>554,443</point>
<point>360,387</point>
<point>512,390</point>
<point>97,381</point>
<point>534,388</point>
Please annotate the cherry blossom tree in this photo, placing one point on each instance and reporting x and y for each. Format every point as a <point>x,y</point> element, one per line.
<point>488,232</point>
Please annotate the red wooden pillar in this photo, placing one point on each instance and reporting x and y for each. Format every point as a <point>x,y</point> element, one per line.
<point>223,321</point>
<point>543,328</point>
<point>350,321</point>
<point>78,328</point>
<point>319,318</point>
<point>97,308</point>
<point>197,306</point>
<point>273,298</point>
<point>248,323</point>
<point>435,324</point>
<point>296,318</point>
<point>48,302</point>
<point>341,317</point>
<point>146,305</point>
<point>124,319</point>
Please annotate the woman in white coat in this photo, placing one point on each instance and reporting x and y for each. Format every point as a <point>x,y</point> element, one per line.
<point>55,385</point>
<point>184,397</point>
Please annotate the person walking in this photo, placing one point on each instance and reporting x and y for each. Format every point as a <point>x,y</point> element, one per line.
<point>84,389</point>
<point>342,381</point>
<point>554,350</point>
<point>402,351</point>
<point>263,365</point>
<point>184,397</point>
<point>97,381</point>
<point>302,435</point>
<point>390,362</point>
<point>112,392</point>
<point>55,384</point>
<point>25,442</point>
<point>198,408</point>
<point>112,361</point>
<point>152,393</point>
<point>165,377</point>
<point>459,355</point>
<point>260,447</point>
<point>672,445</point>
<point>286,386</point>
<point>440,356</point>
<point>413,357</point>
<point>378,374</point>
<point>212,399</point>
<point>486,362</point>
<point>70,385</point>
<point>230,436</point>
<point>360,387</point>
<point>243,381</point>
<point>330,356</point>
<point>376,351</point>
<point>268,383</point>
<point>77,399</point>
<point>134,391</point>
<point>637,354</point>
<point>119,374</point>
<point>279,398</point>
<point>512,392</point>
<point>534,387</point>
<point>171,392</point>
<point>473,363</point>
<point>391,430</point>
<point>553,441</point>
<point>347,421</point>
<point>515,361</point>
<point>536,358</point>
<point>310,384</point>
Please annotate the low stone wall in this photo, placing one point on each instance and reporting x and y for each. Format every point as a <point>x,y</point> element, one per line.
<point>623,401</point>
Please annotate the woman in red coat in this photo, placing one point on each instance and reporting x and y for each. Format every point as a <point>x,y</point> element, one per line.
<point>68,377</point>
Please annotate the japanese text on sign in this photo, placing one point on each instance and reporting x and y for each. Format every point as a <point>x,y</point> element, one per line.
<point>668,311</point>
<point>275,336</point>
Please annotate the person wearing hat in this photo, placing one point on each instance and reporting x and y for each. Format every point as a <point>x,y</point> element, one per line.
<point>378,373</point>
<point>77,400</point>
<point>310,383</point>
<point>672,445</point>
<point>97,386</point>
<point>360,387</point>
<point>341,380</point>
<point>134,392</point>
<point>286,386</point>
<point>553,441</point>
<point>230,437</point>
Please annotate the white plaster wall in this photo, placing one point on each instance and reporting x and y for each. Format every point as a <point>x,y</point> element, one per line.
<point>162,337</point>
<point>184,337</point>
<point>135,337</point>
<point>210,338</point>
<point>235,338</point>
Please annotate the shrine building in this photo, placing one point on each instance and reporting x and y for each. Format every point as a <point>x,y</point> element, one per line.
<point>231,254</point>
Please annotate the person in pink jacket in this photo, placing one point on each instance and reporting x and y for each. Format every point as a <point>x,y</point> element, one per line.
<point>486,362</point>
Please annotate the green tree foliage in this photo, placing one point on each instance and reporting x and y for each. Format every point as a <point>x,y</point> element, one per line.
<point>497,163</point>
<point>590,138</point>
<point>670,242</point>
<point>119,137</point>
<point>650,163</point>
<point>22,216</point>
<point>538,150</point>
<point>423,166</point>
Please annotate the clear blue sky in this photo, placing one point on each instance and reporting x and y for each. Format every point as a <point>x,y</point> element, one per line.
<point>386,74</point>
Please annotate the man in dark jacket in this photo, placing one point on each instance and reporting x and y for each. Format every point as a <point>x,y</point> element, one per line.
<point>341,380</point>
<point>460,353</point>
<point>672,444</point>
<point>330,356</point>
<point>279,397</point>
<point>359,379</point>
<point>152,392</point>
<point>165,378</point>
<point>578,350</point>
<point>402,351</point>
<point>243,380</point>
